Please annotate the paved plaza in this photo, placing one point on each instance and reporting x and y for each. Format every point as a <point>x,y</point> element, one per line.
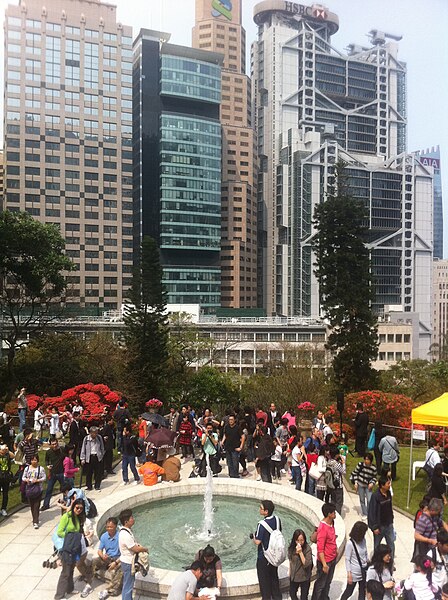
<point>23,549</point>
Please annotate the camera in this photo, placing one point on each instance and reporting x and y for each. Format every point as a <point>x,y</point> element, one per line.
<point>251,536</point>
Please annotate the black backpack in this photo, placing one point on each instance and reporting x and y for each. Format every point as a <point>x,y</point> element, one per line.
<point>93,511</point>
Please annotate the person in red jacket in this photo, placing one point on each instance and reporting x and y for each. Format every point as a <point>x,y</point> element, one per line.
<point>327,551</point>
<point>185,437</point>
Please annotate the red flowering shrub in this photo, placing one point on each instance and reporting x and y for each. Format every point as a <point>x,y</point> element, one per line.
<point>306,407</point>
<point>94,398</point>
<point>389,409</point>
<point>153,403</point>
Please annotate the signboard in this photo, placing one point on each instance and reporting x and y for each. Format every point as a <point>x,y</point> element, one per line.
<point>427,161</point>
<point>306,11</point>
<point>419,434</point>
<point>222,8</point>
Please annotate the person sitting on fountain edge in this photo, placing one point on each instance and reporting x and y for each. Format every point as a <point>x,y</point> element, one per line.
<point>150,471</point>
<point>209,443</point>
<point>211,567</point>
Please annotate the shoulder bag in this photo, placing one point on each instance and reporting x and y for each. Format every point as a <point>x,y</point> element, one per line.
<point>363,568</point>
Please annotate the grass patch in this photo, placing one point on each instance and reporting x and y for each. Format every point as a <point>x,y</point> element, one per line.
<point>400,485</point>
<point>14,498</point>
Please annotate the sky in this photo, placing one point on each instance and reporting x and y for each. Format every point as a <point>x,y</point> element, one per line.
<point>424,47</point>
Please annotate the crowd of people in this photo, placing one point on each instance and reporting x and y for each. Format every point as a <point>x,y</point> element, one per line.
<point>314,463</point>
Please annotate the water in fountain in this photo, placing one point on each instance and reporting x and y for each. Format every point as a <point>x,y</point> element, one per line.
<point>207,527</point>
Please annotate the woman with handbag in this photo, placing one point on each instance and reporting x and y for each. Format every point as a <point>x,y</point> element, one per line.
<point>6,476</point>
<point>356,561</point>
<point>33,476</point>
<point>300,565</point>
<point>321,486</point>
<point>71,522</point>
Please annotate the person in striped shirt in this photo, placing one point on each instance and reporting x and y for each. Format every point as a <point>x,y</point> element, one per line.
<point>364,478</point>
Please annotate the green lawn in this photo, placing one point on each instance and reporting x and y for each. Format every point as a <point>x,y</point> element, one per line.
<point>14,499</point>
<point>400,485</point>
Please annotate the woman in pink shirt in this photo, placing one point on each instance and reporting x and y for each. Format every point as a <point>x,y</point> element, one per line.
<point>69,466</point>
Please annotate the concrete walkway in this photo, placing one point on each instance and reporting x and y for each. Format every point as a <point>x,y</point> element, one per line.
<point>23,549</point>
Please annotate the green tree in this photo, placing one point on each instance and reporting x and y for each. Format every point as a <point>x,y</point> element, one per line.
<point>53,362</point>
<point>343,272</point>
<point>209,387</point>
<point>146,329</point>
<point>33,270</point>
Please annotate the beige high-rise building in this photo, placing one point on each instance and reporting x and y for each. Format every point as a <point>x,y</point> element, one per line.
<point>218,28</point>
<point>440,308</point>
<point>68,136</point>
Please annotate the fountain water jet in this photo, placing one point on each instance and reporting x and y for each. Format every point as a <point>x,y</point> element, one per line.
<point>207,527</point>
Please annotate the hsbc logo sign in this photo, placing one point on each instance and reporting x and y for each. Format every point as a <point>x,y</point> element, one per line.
<point>306,11</point>
<point>319,13</point>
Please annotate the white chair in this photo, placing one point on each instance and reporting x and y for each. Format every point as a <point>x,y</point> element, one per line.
<point>417,464</point>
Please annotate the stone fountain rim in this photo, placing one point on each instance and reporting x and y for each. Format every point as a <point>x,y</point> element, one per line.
<point>235,583</point>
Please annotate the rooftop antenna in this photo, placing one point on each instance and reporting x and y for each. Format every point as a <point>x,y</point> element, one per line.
<point>378,38</point>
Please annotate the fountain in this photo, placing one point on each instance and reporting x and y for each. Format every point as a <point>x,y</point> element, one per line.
<point>169,521</point>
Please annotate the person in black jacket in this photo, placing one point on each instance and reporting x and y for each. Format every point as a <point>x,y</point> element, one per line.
<point>361,429</point>
<point>263,452</point>
<point>107,432</point>
<point>380,516</point>
<point>122,417</point>
<point>130,452</point>
<point>74,434</point>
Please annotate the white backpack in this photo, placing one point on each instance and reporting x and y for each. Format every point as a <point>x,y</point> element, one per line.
<point>275,553</point>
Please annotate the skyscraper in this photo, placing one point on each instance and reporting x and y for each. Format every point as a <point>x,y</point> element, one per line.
<point>431,160</point>
<point>177,158</point>
<point>218,28</point>
<point>68,136</point>
<point>316,105</point>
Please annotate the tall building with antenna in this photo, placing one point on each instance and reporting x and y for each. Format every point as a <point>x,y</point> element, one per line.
<point>218,27</point>
<point>314,106</point>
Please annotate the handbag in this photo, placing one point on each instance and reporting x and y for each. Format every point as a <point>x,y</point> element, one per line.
<point>19,456</point>
<point>314,471</point>
<point>33,490</point>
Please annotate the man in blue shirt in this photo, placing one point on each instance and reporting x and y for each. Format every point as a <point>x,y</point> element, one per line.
<point>267,573</point>
<point>108,559</point>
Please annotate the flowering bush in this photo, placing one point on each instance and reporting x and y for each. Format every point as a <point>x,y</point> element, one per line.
<point>153,403</point>
<point>94,398</point>
<point>306,406</point>
<point>389,409</point>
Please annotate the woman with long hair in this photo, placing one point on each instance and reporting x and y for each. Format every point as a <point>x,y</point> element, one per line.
<point>321,486</point>
<point>356,561</point>
<point>381,569</point>
<point>438,485</point>
<point>300,565</point>
<point>71,522</point>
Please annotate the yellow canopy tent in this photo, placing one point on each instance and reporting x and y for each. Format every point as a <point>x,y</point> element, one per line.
<point>432,413</point>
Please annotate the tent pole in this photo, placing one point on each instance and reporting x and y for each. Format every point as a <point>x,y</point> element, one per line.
<point>410,465</point>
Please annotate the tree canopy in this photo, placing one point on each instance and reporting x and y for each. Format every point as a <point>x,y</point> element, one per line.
<point>33,270</point>
<point>343,271</point>
<point>146,328</point>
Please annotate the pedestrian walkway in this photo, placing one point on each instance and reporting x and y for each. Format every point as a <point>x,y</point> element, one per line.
<point>23,549</point>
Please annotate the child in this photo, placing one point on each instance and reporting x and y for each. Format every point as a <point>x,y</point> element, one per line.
<point>343,446</point>
<point>69,466</point>
<point>185,437</point>
<point>276,460</point>
<point>420,582</point>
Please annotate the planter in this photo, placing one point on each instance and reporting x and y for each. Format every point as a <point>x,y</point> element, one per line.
<point>305,427</point>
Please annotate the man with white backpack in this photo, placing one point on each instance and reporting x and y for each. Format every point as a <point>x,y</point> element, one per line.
<point>271,551</point>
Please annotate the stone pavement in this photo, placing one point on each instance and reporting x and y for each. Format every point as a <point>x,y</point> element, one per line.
<point>23,549</point>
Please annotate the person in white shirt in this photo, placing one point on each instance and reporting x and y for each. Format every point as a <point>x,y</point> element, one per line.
<point>128,548</point>
<point>438,555</point>
<point>420,582</point>
<point>432,458</point>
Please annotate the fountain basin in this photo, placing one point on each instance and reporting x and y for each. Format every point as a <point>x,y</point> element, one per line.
<point>236,584</point>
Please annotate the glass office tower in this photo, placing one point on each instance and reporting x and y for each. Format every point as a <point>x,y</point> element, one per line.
<point>177,164</point>
<point>315,105</point>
